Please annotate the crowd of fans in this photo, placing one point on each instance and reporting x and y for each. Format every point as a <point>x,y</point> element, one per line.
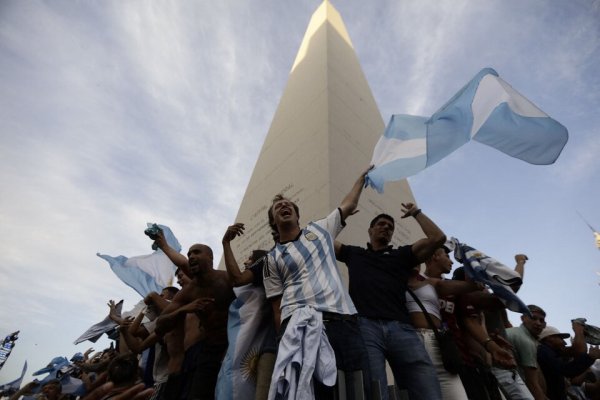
<point>325,341</point>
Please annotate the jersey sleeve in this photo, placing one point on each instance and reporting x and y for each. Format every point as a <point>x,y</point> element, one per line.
<point>332,223</point>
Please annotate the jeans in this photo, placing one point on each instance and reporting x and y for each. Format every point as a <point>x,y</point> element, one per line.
<point>399,344</point>
<point>511,384</point>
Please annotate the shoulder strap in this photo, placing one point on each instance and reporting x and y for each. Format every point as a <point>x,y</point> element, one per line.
<point>427,316</point>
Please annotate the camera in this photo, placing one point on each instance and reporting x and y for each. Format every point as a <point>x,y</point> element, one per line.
<point>152,232</point>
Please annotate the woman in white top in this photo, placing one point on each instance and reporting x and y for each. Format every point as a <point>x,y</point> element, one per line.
<point>427,290</point>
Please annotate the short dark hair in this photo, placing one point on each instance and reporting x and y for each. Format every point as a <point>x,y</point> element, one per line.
<point>536,309</point>
<point>384,216</point>
<point>123,369</point>
<point>277,198</point>
<point>54,382</point>
<point>205,247</point>
<point>257,254</point>
<point>172,290</point>
<point>459,274</point>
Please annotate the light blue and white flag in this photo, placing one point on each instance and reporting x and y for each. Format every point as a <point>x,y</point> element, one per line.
<point>94,332</point>
<point>60,368</point>
<point>147,273</point>
<point>249,329</point>
<point>487,110</point>
<point>497,276</point>
<point>12,387</point>
<point>53,366</point>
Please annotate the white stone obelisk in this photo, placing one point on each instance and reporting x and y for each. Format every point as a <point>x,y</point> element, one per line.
<point>321,138</point>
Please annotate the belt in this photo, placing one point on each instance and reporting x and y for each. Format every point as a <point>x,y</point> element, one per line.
<point>329,316</point>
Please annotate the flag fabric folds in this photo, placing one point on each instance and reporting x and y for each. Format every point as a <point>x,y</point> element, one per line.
<point>146,273</point>
<point>6,346</point>
<point>94,332</point>
<point>497,276</point>
<point>8,389</point>
<point>590,332</point>
<point>249,329</point>
<point>488,110</point>
<point>59,368</point>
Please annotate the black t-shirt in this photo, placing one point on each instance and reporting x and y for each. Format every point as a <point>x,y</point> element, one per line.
<point>378,280</point>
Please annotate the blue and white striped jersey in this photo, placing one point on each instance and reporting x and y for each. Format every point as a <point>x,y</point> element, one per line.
<point>304,271</point>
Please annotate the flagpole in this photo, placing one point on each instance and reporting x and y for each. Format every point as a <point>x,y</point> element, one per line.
<point>587,223</point>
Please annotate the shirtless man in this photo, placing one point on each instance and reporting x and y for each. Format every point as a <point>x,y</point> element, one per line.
<point>208,295</point>
<point>186,333</point>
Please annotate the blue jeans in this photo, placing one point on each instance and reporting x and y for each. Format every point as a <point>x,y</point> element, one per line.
<point>399,344</point>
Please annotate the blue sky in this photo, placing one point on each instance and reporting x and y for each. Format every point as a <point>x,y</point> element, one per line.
<point>114,114</point>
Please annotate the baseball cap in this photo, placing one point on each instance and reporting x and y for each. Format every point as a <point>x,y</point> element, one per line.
<point>551,331</point>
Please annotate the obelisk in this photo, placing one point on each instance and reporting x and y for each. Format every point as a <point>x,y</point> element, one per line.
<point>321,138</point>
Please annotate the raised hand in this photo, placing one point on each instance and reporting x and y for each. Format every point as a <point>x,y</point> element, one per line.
<point>233,231</point>
<point>410,210</point>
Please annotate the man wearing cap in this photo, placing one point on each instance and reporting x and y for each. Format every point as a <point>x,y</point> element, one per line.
<point>524,341</point>
<point>378,277</point>
<point>554,367</point>
<point>51,390</point>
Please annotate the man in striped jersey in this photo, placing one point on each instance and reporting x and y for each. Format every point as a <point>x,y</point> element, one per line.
<point>302,272</point>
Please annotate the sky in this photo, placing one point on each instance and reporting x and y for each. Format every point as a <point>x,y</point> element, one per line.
<point>114,114</point>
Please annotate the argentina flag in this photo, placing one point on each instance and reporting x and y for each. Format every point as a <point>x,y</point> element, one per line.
<point>95,332</point>
<point>146,273</point>
<point>502,280</point>
<point>250,331</point>
<point>488,110</point>
<point>10,388</point>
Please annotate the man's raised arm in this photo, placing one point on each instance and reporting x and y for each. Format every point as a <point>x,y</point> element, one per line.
<point>236,277</point>
<point>350,202</point>
<point>176,258</point>
<point>434,237</point>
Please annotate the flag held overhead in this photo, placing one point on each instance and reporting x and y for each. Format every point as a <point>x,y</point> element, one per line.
<point>488,110</point>
<point>146,273</point>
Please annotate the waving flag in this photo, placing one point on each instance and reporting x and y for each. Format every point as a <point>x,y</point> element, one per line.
<point>147,273</point>
<point>94,332</point>
<point>6,346</point>
<point>60,368</point>
<point>487,110</point>
<point>596,234</point>
<point>248,327</point>
<point>485,269</point>
<point>8,389</point>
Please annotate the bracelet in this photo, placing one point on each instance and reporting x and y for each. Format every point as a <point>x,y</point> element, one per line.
<point>416,213</point>
<point>485,343</point>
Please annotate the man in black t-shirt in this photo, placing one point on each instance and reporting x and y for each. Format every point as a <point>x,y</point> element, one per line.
<point>378,278</point>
